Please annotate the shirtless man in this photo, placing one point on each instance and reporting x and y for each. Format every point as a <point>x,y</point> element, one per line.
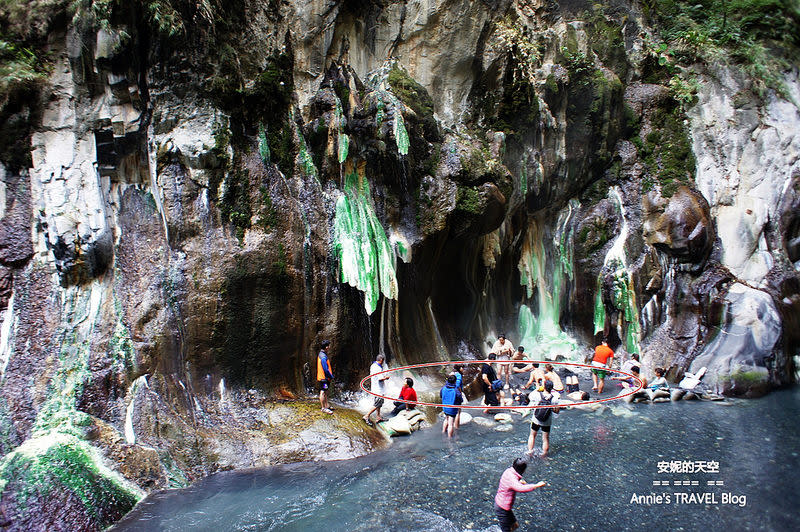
<point>537,377</point>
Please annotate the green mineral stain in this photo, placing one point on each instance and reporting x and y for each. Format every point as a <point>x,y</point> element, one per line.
<point>543,329</point>
<point>263,144</point>
<point>599,308</point>
<point>306,162</point>
<point>380,113</point>
<point>344,145</point>
<point>381,90</point>
<point>361,245</point>
<point>402,251</point>
<point>400,133</point>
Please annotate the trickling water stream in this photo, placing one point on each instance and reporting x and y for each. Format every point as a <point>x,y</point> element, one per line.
<point>623,295</point>
<point>598,462</point>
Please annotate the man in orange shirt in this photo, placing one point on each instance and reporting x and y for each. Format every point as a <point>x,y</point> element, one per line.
<point>602,357</point>
<point>324,376</point>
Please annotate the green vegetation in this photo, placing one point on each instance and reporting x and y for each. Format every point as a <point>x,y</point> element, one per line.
<point>57,455</point>
<point>595,234</point>
<point>19,68</point>
<point>43,464</point>
<point>267,215</point>
<point>761,36</point>
<point>468,200</point>
<point>412,94</point>
<point>606,40</point>
<point>517,110</point>
<point>667,152</point>
<point>580,67</point>
<point>235,204</point>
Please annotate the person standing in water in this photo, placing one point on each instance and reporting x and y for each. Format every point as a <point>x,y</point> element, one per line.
<point>490,383</point>
<point>378,386</point>
<point>459,374</point>
<point>324,376</point>
<point>503,349</point>
<point>602,356</point>
<point>542,418</point>
<point>450,395</point>
<point>511,483</point>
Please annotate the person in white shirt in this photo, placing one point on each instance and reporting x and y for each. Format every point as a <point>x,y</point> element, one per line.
<point>633,361</point>
<point>503,349</point>
<point>378,386</point>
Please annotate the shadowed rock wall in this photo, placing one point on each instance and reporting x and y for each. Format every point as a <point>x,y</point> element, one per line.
<point>196,206</point>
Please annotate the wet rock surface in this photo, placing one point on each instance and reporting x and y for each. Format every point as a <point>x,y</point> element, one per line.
<point>185,215</point>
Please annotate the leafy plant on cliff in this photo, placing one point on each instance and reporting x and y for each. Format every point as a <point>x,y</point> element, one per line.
<point>760,36</point>
<point>19,67</point>
<point>518,108</point>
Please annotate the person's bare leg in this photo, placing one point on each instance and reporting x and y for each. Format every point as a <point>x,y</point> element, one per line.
<point>458,419</point>
<point>594,381</point>
<point>545,443</point>
<point>531,440</point>
<point>601,385</point>
<point>323,400</point>
<point>451,427</point>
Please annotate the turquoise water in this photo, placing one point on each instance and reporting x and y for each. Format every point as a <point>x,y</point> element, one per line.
<point>598,462</point>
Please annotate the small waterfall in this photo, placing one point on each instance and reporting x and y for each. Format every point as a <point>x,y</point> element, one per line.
<point>548,277</point>
<point>441,350</point>
<point>130,435</point>
<point>221,393</point>
<point>7,330</point>
<point>381,349</point>
<point>615,271</point>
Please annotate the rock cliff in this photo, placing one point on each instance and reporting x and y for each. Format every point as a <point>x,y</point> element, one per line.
<point>194,194</point>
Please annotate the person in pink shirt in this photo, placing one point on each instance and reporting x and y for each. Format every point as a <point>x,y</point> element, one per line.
<point>511,483</point>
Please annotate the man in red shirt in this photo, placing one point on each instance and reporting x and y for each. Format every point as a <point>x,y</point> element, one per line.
<point>407,393</point>
<point>602,356</point>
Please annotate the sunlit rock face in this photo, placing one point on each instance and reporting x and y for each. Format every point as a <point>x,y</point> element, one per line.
<point>185,216</point>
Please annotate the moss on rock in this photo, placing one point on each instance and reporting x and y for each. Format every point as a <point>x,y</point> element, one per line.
<point>667,152</point>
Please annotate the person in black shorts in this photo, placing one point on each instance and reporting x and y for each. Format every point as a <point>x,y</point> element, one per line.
<point>511,483</point>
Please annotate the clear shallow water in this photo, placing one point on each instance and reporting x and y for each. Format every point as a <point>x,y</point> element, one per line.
<point>598,461</point>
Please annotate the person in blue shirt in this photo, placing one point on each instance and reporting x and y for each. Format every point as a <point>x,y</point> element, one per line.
<point>324,376</point>
<point>459,373</point>
<point>450,395</point>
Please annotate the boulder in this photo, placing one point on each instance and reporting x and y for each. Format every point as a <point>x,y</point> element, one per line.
<point>482,421</point>
<point>680,226</point>
<point>503,418</point>
<point>737,356</point>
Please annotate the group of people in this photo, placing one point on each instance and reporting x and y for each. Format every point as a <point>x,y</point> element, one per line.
<point>547,387</point>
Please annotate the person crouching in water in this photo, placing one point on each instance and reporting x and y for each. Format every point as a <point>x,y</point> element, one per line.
<point>450,395</point>
<point>511,483</point>
<point>542,418</point>
<point>407,393</point>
